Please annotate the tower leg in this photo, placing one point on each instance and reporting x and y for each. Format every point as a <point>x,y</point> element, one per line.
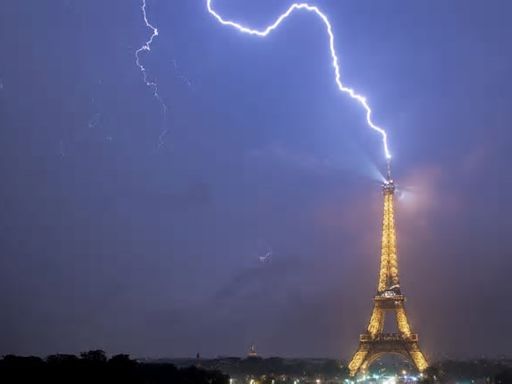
<point>357,361</point>
<point>402,321</point>
<point>376,324</point>
<point>417,357</point>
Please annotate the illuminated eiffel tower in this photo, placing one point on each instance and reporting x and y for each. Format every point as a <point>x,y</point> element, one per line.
<point>389,298</point>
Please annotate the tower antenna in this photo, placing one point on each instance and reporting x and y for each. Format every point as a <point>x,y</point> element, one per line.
<point>388,167</point>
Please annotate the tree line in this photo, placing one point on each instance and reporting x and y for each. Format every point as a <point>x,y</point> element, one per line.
<point>94,367</point>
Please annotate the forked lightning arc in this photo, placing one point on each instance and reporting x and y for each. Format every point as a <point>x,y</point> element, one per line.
<point>146,47</point>
<point>335,61</point>
<point>263,33</point>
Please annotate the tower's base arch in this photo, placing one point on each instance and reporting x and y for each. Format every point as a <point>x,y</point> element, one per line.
<point>370,349</point>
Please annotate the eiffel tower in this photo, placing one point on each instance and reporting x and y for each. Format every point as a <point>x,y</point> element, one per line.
<point>389,298</point>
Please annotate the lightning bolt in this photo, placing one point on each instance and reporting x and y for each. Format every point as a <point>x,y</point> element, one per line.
<point>335,61</point>
<point>146,47</point>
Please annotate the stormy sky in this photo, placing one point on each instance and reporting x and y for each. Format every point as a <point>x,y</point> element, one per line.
<point>251,211</point>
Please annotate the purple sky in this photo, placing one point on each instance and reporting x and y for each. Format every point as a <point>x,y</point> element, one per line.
<point>108,240</point>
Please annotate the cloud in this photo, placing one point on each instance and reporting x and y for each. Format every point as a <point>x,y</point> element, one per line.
<point>291,158</point>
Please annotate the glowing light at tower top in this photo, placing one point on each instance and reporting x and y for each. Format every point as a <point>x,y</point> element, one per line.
<point>335,61</point>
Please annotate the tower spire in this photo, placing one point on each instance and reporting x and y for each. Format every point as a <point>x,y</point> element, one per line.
<point>388,275</point>
<point>388,169</point>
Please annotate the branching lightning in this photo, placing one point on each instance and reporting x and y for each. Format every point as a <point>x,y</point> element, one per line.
<point>146,47</point>
<point>335,61</point>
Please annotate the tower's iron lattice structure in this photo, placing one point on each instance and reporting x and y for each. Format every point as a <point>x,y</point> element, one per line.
<point>389,298</point>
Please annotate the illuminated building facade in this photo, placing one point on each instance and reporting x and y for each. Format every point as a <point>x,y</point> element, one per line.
<point>389,298</point>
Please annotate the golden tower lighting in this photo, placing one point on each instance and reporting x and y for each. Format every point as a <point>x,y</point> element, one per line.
<point>389,298</point>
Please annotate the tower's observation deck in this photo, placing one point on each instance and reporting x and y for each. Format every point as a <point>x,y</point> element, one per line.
<point>389,298</point>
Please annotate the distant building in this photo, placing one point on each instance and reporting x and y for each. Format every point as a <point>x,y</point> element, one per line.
<point>252,351</point>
